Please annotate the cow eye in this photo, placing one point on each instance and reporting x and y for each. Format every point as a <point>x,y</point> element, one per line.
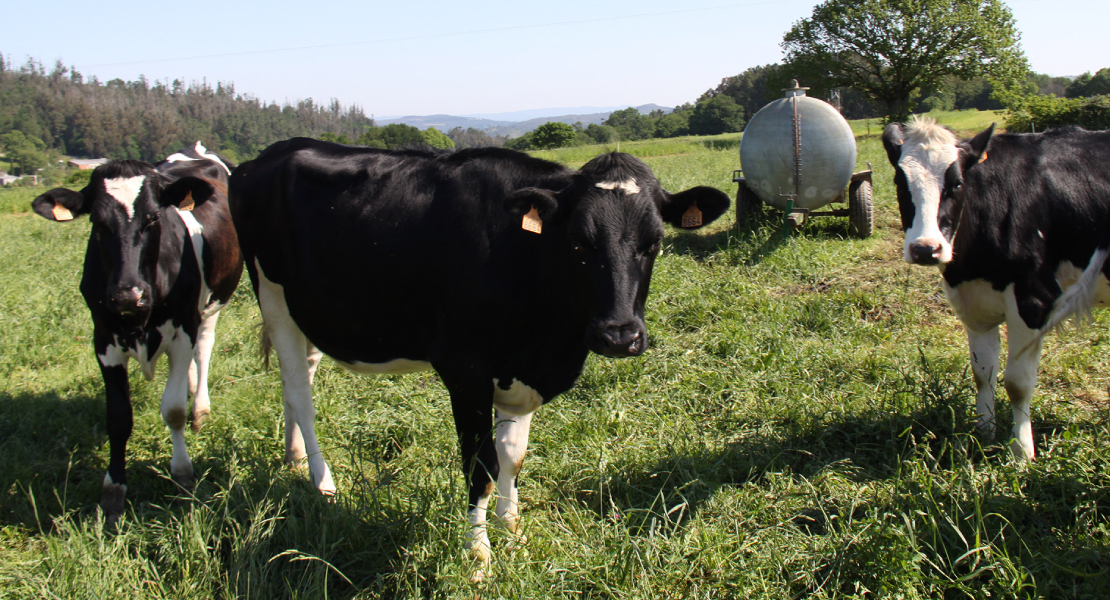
<point>653,249</point>
<point>151,219</point>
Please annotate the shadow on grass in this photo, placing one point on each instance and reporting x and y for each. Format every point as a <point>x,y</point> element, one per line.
<point>249,517</point>
<point>759,239</point>
<point>48,450</point>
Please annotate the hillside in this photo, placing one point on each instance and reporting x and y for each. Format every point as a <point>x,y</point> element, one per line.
<point>511,128</point>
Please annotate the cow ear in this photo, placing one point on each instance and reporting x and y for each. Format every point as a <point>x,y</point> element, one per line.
<point>977,146</point>
<point>893,137</point>
<point>186,193</point>
<point>60,204</point>
<point>695,207</point>
<point>520,202</point>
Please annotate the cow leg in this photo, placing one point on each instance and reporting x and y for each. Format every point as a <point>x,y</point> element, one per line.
<point>985,347</point>
<point>511,443</point>
<point>198,369</point>
<point>291,346</point>
<point>117,388</point>
<point>472,406</point>
<point>314,357</point>
<point>294,441</point>
<point>175,405</point>
<point>1020,379</point>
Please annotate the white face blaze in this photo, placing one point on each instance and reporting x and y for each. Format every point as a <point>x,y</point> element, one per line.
<point>628,186</point>
<point>927,153</point>
<point>125,190</point>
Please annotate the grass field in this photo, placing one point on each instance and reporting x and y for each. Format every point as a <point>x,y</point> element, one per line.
<point>800,427</point>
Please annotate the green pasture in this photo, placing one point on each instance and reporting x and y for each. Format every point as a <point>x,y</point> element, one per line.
<point>801,427</point>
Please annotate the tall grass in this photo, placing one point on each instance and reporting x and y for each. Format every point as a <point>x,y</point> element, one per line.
<point>800,427</point>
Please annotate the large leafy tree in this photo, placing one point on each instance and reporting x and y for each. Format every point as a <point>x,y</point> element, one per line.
<point>890,49</point>
<point>719,114</point>
<point>554,135</point>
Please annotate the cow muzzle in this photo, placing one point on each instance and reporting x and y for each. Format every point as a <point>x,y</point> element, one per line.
<point>925,252</point>
<point>620,341</point>
<point>130,301</point>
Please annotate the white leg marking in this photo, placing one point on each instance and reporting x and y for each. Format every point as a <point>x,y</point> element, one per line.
<point>1020,379</point>
<point>478,541</point>
<point>206,339</point>
<point>175,404</point>
<point>512,443</point>
<point>296,386</point>
<point>985,347</point>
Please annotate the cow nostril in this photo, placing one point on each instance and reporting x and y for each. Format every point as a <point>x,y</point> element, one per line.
<point>925,253</point>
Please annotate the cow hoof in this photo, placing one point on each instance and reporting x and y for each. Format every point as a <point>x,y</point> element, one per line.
<point>478,576</point>
<point>1021,454</point>
<point>199,418</point>
<point>296,459</point>
<point>112,502</point>
<point>185,482</point>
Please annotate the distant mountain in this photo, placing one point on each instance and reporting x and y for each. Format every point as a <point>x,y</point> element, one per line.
<point>539,113</point>
<point>445,123</point>
<point>511,124</point>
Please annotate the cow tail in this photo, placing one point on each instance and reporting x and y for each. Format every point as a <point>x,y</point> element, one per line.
<point>1078,300</point>
<point>264,346</point>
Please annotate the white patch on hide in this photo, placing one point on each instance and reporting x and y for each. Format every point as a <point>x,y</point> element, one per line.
<point>519,399</point>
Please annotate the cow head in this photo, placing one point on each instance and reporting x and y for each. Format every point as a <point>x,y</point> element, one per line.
<point>125,201</point>
<point>611,218</point>
<point>929,165</point>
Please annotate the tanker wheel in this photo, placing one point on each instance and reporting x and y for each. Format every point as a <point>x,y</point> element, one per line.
<point>861,214</point>
<point>748,207</point>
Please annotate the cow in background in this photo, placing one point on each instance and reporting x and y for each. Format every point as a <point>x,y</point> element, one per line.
<point>162,260</point>
<point>498,270</point>
<point>1018,224</point>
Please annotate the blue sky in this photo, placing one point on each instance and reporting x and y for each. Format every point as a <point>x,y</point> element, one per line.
<point>420,57</point>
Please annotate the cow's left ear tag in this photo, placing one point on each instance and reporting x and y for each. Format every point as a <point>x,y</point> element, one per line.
<point>62,213</point>
<point>187,203</point>
<point>532,221</point>
<point>692,216</point>
<point>983,158</point>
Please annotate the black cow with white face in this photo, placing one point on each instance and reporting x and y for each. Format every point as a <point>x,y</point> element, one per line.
<point>498,270</point>
<point>1019,225</point>
<point>162,260</point>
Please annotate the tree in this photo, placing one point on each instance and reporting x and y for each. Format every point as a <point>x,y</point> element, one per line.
<point>1087,85</point>
<point>522,143</point>
<point>719,114</point>
<point>554,135</point>
<point>672,125</point>
<point>437,139</point>
<point>28,151</point>
<point>600,134</point>
<point>891,48</point>
<point>630,124</point>
<point>754,88</point>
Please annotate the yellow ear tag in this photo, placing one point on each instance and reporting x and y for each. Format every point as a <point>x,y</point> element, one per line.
<point>692,216</point>
<point>532,221</point>
<point>187,203</point>
<point>983,158</point>
<point>62,213</point>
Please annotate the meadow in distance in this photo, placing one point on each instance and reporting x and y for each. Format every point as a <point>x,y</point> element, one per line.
<point>801,426</point>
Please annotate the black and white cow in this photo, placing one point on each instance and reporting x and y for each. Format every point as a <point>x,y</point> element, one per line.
<point>162,260</point>
<point>1018,224</point>
<point>498,270</point>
